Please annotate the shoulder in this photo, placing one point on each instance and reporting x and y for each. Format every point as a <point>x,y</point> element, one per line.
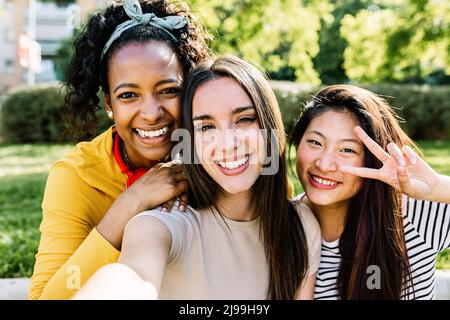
<point>307,217</point>
<point>174,219</point>
<point>88,153</point>
<point>94,164</point>
<point>178,229</point>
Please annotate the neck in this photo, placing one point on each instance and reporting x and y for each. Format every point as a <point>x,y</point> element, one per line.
<point>131,164</point>
<point>238,207</point>
<point>331,218</point>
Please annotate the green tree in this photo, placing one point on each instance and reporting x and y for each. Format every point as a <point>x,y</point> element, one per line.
<point>279,35</point>
<point>330,59</point>
<point>404,41</point>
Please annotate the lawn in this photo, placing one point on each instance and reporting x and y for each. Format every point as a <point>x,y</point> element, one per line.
<point>23,171</point>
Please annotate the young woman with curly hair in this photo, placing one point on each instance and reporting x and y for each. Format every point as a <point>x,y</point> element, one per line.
<point>137,52</point>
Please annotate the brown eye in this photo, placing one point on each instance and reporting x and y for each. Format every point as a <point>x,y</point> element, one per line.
<point>313,142</point>
<point>170,91</point>
<point>127,95</point>
<point>246,119</point>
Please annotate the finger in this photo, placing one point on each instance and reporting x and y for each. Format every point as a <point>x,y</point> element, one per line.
<point>410,154</point>
<point>180,177</point>
<point>168,205</point>
<point>183,201</point>
<point>361,172</point>
<point>172,163</point>
<point>397,154</point>
<point>181,187</point>
<point>403,180</point>
<point>370,144</point>
<point>177,168</point>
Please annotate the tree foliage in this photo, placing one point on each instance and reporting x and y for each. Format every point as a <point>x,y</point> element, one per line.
<point>329,41</point>
<point>279,35</point>
<point>407,41</point>
<point>329,62</point>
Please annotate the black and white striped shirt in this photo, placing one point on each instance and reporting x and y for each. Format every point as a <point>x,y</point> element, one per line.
<point>427,232</point>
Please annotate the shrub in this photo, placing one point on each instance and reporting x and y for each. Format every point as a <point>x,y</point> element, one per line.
<point>34,114</point>
<point>424,109</point>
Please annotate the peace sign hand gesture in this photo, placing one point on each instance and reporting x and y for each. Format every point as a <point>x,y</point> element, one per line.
<point>402,169</point>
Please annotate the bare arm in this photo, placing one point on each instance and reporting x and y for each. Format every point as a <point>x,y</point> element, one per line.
<point>140,269</point>
<point>163,182</point>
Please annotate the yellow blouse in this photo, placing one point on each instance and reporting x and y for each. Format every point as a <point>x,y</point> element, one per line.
<point>80,189</point>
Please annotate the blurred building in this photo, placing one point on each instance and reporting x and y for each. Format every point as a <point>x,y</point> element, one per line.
<point>53,24</point>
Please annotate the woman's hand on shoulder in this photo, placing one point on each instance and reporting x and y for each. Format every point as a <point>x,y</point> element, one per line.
<point>159,186</point>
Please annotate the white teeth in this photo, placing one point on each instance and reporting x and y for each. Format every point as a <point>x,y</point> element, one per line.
<point>152,134</point>
<point>324,182</point>
<point>234,164</point>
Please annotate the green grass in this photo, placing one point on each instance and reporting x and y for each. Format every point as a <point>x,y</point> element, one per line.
<point>23,172</point>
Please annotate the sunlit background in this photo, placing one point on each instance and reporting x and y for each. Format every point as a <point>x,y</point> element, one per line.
<point>398,48</point>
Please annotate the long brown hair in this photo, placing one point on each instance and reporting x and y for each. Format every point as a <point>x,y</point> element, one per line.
<point>281,229</point>
<point>373,232</point>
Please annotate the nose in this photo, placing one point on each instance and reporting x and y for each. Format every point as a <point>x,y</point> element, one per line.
<point>151,110</point>
<point>326,162</point>
<point>229,142</point>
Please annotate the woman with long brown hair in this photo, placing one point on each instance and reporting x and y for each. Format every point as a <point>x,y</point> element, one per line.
<point>241,238</point>
<point>378,241</point>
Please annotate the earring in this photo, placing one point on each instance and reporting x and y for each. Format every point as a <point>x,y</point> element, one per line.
<point>110,114</point>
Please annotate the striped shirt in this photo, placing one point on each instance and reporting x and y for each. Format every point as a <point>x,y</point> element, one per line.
<point>427,232</point>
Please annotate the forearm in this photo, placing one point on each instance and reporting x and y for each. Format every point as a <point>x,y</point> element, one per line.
<point>112,226</point>
<point>117,281</point>
<point>441,193</point>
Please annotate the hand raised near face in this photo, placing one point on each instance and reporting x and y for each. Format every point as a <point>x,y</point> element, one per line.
<point>402,168</point>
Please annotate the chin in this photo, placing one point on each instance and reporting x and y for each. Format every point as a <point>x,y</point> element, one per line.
<point>237,187</point>
<point>321,198</point>
<point>157,155</point>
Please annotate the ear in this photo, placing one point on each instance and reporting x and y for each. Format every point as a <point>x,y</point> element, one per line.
<point>108,105</point>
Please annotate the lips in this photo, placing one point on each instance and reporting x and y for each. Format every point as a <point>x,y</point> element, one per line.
<point>322,183</point>
<point>153,136</point>
<point>152,133</point>
<point>235,167</point>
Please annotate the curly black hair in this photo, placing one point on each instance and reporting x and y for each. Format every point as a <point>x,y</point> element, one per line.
<point>87,72</point>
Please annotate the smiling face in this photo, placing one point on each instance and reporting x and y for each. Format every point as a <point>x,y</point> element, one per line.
<point>145,81</point>
<point>328,143</point>
<point>227,138</point>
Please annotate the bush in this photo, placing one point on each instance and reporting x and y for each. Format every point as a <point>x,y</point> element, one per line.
<point>34,114</point>
<point>424,109</point>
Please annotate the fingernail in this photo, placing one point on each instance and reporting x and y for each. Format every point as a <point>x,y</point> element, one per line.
<point>164,209</point>
<point>182,208</point>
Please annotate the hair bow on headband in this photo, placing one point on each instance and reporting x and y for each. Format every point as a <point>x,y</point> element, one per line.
<point>137,17</point>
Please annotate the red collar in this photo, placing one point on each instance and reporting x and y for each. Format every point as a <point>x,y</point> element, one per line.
<point>132,175</point>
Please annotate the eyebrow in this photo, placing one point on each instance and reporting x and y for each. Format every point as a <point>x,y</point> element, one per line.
<point>233,112</point>
<point>345,140</point>
<point>133,85</point>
